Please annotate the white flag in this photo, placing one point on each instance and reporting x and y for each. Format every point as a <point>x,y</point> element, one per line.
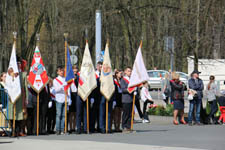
<point>139,73</point>
<point>107,85</point>
<point>12,84</point>
<point>87,79</point>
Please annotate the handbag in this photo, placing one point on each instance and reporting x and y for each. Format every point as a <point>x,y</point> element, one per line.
<point>218,113</point>
<point>190,97</point>
<point>208,108</point>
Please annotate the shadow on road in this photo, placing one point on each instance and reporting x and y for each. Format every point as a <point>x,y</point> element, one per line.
<point>140,131</point>
<point>6,142</point>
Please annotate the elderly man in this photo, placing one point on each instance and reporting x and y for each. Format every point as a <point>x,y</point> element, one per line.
<point>195,83</point>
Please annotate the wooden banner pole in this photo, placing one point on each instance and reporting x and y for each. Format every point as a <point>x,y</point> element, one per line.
<point>65,112</point>
<point>65,35</point>
<point>14,119</point>
<point>107,108</point>
<point>132,118</point>
<point>87,115</point>
<point>37,114</point>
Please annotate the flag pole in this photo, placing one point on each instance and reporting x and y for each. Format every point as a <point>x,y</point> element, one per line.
<point>14,105</point>
<point>37,114</point>
<point>107,108</point>
<point>132,118</point>
<point>87,103</point>
<point>38,38</point>
<point>65,35</point>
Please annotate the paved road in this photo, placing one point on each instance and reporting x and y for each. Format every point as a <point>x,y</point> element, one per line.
<point>148,136</point>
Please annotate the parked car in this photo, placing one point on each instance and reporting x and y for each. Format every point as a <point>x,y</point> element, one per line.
<point>156,76</point>
<point>183,77</point>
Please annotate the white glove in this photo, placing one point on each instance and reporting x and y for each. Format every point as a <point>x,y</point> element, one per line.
<point>114,104</point>
<point>69,103</point>
<point>135,93</point>
<point>50,104</point>
<point>92,100</point>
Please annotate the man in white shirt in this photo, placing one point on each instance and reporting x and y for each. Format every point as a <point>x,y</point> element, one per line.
<point>58,84</point>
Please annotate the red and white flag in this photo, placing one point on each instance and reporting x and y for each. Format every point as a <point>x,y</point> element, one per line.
<point>139,73</point>
<point>38,77</point>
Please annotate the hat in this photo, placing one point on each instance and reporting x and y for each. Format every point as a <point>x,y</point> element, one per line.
<point>195,71</point>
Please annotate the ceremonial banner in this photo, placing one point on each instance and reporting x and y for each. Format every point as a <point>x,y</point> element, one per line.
<point>69,70</point>
<point>107,87</point>
<point>12,84</point>
<point>38,77</point>
<point>139,73</point>
<point>87,80</point>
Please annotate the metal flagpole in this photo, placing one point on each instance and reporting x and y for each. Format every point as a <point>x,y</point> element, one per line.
<point>65,35</point>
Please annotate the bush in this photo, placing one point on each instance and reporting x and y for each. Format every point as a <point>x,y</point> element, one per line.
<point>161,111</point>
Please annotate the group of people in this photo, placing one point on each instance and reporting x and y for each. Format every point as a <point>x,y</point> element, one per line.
<point>52,105</point>
<point>173,89</point>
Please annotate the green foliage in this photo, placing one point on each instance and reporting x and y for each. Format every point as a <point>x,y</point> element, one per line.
<point>161,111</point>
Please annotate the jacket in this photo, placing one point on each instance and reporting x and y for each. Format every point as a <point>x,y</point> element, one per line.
<point>126,96</point>
<point>199,87</point>
<point>211,92</point>
<point>177,90</point>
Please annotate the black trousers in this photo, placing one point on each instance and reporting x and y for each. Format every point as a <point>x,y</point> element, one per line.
<point>94,115</point>
<point>43,108</point>
<point>126,117</point>
<point>30,120</point>
<point>144,109</point>
<point>137,104</point>
<point>214,108</point>
<point>51,118</point>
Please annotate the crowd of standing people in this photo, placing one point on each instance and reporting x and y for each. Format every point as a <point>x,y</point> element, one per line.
<point>174,89</point>
<point>52,103</point>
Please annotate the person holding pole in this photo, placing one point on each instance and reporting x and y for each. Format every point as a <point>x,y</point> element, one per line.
<point>107,89</point>
<point>127,99</point>
<point>58,84</point>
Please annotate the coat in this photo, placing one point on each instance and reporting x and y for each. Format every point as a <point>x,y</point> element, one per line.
<point>199,87</point>
<point>177,90</point>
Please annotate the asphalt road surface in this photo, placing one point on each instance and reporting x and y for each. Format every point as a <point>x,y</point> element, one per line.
<point>155,136</point>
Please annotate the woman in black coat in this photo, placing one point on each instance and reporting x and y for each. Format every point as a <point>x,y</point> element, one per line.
<point>177,93</point>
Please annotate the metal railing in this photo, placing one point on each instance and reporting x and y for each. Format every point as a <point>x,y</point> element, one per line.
<point>4,122</point>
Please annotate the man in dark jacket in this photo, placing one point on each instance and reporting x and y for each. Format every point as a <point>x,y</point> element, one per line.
<point>127,99</point>
<point>196,84</point>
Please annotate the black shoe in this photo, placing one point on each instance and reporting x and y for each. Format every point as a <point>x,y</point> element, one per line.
<point>78,132</point>
<point>102,131</point>
<point>58,132</point>
<point>110,132</point>
<point>190,124</point>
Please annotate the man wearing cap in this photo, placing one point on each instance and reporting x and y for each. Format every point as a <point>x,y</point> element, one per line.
<point>195,83</point>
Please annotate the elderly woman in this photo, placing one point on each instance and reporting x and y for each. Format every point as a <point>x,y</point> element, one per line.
<point>177,93</point>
